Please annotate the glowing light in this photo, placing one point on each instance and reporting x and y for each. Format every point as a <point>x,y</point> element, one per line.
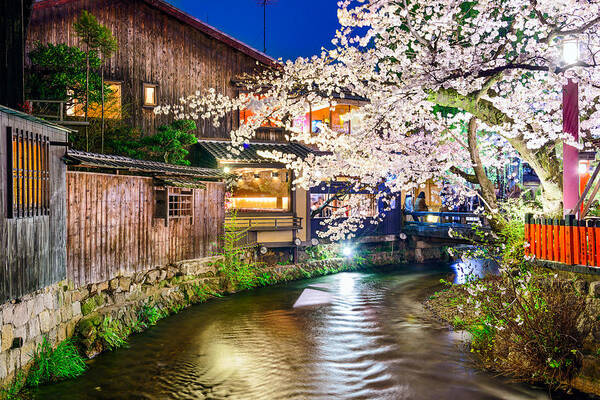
<point>583,168</point>
<point>227,170</point>
<point>346,282</point>
<point>432,218</point>
<point>570,51</point>
<point>347,251</point>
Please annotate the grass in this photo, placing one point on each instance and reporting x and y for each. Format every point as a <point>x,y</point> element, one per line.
<point>53,365</point>
<point>112,334</point>
<point>14,390</point>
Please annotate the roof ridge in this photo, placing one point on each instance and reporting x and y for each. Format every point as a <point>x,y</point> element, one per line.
<point>189,20</point>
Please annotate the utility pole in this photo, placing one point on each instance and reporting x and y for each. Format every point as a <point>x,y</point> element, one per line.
<point>264,4</point>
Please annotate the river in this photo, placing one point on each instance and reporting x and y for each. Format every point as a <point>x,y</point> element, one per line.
<point>369,339</point>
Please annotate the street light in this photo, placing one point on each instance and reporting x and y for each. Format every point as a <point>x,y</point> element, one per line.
<point>570,47</point>
<point>570,51</point>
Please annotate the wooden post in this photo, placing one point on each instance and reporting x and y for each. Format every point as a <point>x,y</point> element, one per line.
<point>597,242</point>
<point>556,241</point>
<point>569,221</point>
<point>582,243</point>
<point>563,242</point>
<point>543,239</point>
<point>527,234</point>
<point>591,245</point>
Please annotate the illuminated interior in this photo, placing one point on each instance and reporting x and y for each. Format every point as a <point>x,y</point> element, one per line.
<point>112,105</point>
<point>261,189</point>
<point>337,117</point>
<point>150,95</point>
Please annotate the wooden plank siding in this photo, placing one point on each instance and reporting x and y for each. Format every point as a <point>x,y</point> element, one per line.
<point>112,230</point>
<point>154,47</point>
<point>32,247</point>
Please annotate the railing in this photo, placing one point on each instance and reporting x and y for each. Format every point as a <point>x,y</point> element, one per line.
<point>267,223</point>
<point>444,218</point>
<point>567,241</point>
<point>53,110</point>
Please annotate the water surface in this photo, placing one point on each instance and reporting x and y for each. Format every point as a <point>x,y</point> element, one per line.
<point>372,340</point>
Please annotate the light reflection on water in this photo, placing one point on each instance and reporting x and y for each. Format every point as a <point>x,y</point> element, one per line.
<point>469,269</point>
<point>372,341</point>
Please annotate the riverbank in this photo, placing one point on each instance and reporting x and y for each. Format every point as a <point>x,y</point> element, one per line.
<point>100,317</point>
<point>562,307</point>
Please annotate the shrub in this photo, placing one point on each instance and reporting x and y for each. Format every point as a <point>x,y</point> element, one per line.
<point>148,315</point>
<point>53,365</point>
<point>112,333</point>
<point>527,326</point>
<point>233,263</point>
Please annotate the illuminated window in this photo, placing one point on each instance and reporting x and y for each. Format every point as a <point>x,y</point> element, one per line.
<point>150,95</point>
<point>261,189</point>
<point>112,104</point>
<point>29,174</point>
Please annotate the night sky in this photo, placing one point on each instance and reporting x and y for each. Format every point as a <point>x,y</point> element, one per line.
<point>294,27</point>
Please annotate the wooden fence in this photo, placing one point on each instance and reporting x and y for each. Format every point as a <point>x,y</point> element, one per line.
<point>568,241</point>
<point>113,229</point>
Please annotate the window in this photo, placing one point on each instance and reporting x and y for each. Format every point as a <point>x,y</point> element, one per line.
<point>150,95</point>
<point>29,174</point>
<point>180,203</point>
<point>260,189</point>
<point>112,104</point>
<point>173,203</point>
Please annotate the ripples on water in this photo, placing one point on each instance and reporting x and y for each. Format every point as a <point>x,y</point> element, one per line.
<point>372,341</point>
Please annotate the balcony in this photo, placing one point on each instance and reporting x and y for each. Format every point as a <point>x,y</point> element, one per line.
<point>267,223</point>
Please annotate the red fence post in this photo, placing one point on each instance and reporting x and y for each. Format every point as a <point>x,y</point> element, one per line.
<point>591,245</point>
<point>528,240</point>
<point>582,242</point>
<point>538,240</point>
<point>569,240</point>
<point>556,240</point>
<point>562,240</point>
<point>544,239</point>
<point>596,243</point>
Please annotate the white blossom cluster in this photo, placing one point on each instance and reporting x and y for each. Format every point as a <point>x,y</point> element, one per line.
<point>401,56</point>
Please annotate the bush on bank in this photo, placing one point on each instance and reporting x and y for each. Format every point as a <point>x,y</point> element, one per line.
<point>525,322</point>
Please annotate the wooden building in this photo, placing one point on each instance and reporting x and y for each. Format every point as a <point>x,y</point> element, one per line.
<point>164,54</point>
<point>32,204</point>
<point>127,216</point>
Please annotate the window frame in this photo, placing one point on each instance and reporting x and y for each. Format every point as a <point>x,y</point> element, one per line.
<point>32,189</point>
<point>149,85</point>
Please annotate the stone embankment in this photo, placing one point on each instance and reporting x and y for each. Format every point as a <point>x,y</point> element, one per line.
<point>62,311</point>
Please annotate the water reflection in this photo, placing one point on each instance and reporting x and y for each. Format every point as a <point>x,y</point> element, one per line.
<point>370,341</point>
<point>469,269</point>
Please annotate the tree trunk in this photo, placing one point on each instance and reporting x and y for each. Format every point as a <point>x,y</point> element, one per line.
<point>543,161</point>
<point>488,190</point>
<point>87,95</point>
<point>102,132</point>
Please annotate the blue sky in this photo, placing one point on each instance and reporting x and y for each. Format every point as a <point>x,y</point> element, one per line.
<point>294,27</point>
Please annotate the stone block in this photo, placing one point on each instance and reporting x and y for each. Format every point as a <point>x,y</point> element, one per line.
<point>21,332</point>
<point>36,306</point>
<point>33,328</point>
<point>66,313</point>
<point>124,283</point>
<point>3,366</point>
<point>61,332</point>
<point>595,289</point>
<point>45,321</point>
<point>88,306</point>
<point>20,315</point>
<point>76,306</point>
<point>7,337</point>
<point>7,313</point>
<point>101,287</point>
<point>14,360</point>
<point>27,352</point>
<point>48,301</point>
<point>152,276</point>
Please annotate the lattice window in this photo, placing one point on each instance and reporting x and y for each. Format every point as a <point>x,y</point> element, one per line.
<point>181,203</point>
<point>29,174</point>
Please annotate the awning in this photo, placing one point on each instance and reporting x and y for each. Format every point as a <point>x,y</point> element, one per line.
<point>94,160</point>
<point>222,150</point>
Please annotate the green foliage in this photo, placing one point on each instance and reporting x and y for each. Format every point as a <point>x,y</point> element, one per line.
<point>321,252</point>
<point>112,333</point>
<point>58,72</point>
<point>148,315</point>
<point>53,365</point>
<point>168,145</point>
<point>14,390</point>
<point>234,263</point>
<point>94,35</point>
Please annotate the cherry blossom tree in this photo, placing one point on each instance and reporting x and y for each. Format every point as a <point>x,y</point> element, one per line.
<point>495,65</point>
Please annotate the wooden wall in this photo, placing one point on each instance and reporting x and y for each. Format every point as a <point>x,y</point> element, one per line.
<point>153,47</point>
<point>112,230</point>
<point>32,249</point>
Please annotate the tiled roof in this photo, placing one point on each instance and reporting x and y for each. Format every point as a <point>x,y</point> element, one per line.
<point>84,159</point>
<point>31,118</point>
<point>189,20</point>
<point>222,150</point>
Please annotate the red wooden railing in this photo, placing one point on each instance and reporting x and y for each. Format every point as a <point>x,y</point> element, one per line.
<point>568,241</point>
